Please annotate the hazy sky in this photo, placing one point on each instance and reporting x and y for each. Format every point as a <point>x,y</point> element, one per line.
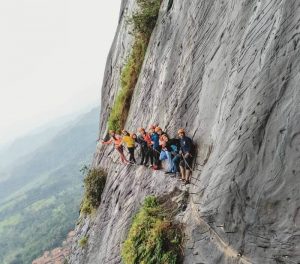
<point>52,59</point>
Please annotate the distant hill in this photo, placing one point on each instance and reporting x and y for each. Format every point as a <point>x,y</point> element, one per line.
<point>40,196</point>
<point>28,143</point>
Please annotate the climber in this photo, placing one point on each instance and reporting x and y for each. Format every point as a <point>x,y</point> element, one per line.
<point>130,143</point>
<point>160,132</point>
<point>134,137</point>
<point>163,138</point>
<point>144,146</point>
<point>170,152</point>
<point>117,140</point>
<point>173,147</point>
<point>186,146</point>
<point>165,153</point>
<point>152,127</point>
<point>149,154</point>
<point>154,147</point>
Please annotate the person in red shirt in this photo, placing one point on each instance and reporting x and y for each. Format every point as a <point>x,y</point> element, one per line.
<point>148,151</point>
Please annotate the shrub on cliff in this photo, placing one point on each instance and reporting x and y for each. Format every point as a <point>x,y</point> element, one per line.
<point>83,242</point>
<point>143,22</point>
<point>153,237</point>
<point>94,184</point>
<point>129,77</point>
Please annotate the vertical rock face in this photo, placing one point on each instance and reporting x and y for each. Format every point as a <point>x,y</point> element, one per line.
<point>228,72</point>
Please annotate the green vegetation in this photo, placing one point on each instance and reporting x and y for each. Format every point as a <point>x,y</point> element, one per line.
<point>143,22</point>
<point>38,205</point>
<point>25,232</point>
<point>129,77</point>
<point>94,184</point>
<point>153,238</point>
<point>11,221</point>
<point>83,242</point>
<point>40,200</point>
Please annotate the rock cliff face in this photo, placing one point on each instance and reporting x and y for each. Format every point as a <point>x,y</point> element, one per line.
<point>228,72</point>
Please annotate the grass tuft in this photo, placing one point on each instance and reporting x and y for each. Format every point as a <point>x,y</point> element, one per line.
<point>143,22</point>
<point>83,242</point>
<point>153,238</point>
<point>94,184</point>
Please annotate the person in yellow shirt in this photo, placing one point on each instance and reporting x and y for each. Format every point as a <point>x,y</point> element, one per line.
<point>130,144</point>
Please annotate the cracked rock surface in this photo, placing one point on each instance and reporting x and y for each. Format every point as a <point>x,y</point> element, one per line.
<point>228,72</point>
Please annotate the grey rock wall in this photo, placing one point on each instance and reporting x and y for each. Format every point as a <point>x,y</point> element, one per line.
<point>228,72</point>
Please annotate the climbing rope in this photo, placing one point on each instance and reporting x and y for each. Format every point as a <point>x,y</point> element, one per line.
<point>186,163</point>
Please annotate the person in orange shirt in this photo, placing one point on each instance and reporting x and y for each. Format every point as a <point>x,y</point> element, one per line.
<point>117,140</point>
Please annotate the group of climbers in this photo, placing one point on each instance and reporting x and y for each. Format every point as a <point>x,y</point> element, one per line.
<point>156,146</point>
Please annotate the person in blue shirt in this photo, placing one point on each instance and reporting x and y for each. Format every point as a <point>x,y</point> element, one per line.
<point>155,147</point>
<point>171,149</point>
<point>186,147</point>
